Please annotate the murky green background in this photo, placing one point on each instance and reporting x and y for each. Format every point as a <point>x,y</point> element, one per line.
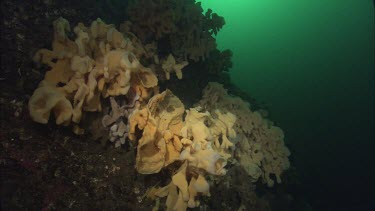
<point>312,63</point>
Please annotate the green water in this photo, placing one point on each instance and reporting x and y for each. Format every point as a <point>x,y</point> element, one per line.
<point>312,63</point>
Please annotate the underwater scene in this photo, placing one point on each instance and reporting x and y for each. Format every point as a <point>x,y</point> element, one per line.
<point>211,105</point>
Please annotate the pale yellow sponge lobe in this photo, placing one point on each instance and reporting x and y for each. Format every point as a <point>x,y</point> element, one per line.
<point>101,62</point>
<point>48,99</point>
<point>170,65</point>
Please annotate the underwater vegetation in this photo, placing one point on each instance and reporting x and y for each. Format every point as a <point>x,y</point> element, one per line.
<point>145,94</point>
<point>104,63</point>
<point>129,105</point>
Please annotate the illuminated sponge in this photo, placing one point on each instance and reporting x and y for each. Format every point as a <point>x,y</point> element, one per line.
<point>101,62</point>
<point>260,147</point>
